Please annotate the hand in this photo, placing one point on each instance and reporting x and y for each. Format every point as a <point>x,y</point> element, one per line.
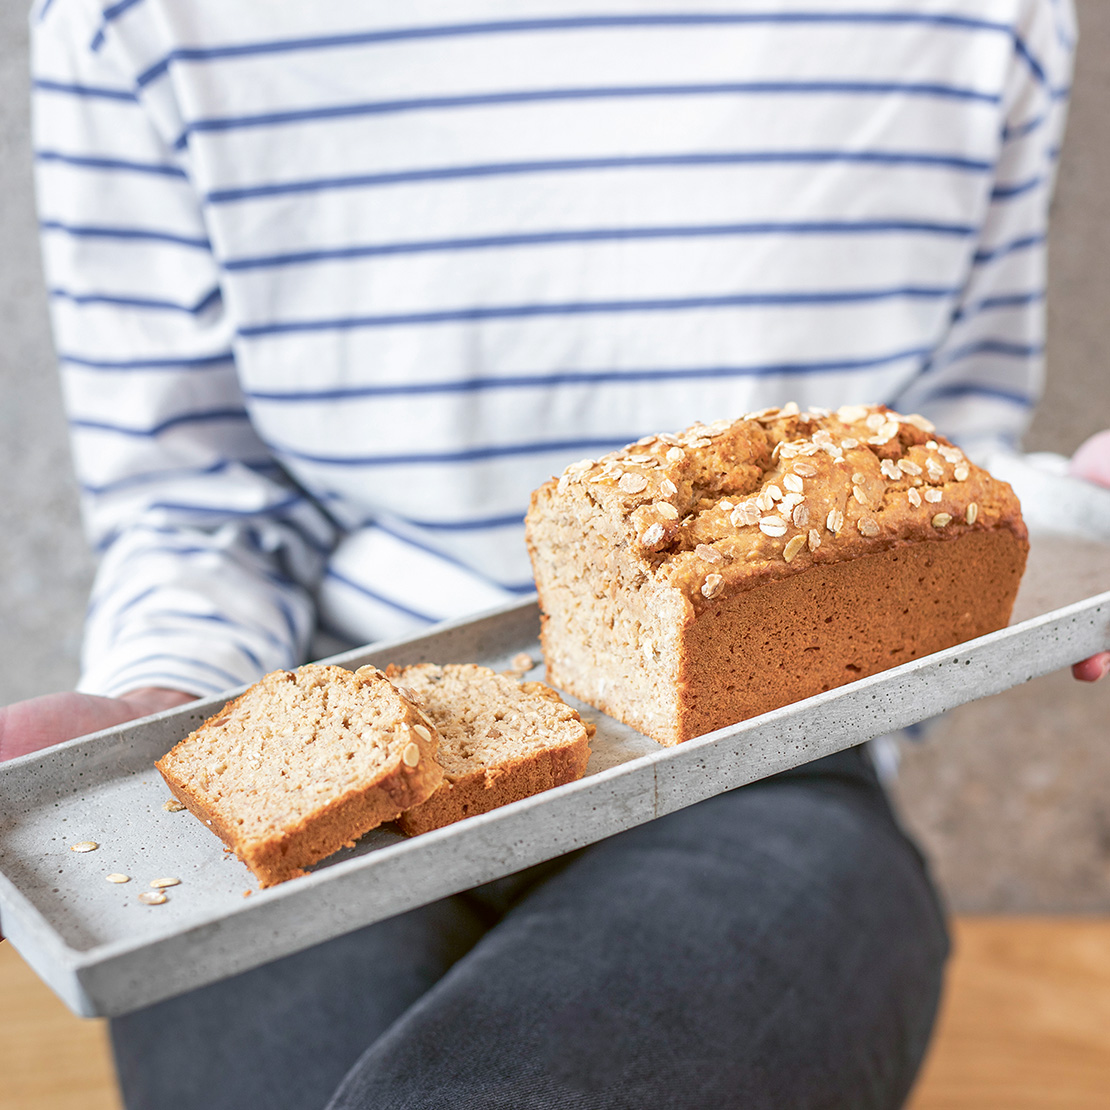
<point>1092,462</point>
<point>28,726</point>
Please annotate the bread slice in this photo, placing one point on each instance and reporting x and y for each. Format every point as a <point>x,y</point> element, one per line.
<point>304,763</point>
<point>500,740</point>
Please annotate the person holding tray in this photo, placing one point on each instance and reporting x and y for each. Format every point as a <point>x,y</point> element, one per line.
<point>334,289</point>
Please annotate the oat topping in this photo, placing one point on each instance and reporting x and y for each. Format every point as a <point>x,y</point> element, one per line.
<point>410,757</point>
<point>426,735</point>
<point>152,898</point>
<point>792,548</point>
<point>161,884</point>
<point>84,846</point>
<point>172,805</point>
<point>880,439</point>
<point>712,586</point>
<point>853,414</point>
<point>116,877</point>
<point>771,478</point>
<point>745,514</point>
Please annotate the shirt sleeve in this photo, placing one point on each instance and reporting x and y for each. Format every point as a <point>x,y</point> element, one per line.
<point>209,553</point>
<point>986,375</point>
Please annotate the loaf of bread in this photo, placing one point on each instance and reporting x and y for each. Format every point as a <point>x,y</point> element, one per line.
<point>500,740</point>
<point>691,581</point>
<point>304,763</point>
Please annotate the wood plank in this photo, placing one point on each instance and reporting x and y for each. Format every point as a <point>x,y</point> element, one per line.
<point>49,1059</point>
<point>1025,1024</point>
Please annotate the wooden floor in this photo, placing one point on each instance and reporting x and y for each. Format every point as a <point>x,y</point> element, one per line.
<point>1026,1021</point>
<point>1025,1026</point>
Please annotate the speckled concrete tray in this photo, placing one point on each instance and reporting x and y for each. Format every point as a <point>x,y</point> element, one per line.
<point>105,953</point>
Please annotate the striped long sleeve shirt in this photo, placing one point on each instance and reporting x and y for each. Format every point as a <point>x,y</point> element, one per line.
<point>335,286</point>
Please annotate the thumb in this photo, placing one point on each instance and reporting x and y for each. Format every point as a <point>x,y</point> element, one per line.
<point>1092,460</point>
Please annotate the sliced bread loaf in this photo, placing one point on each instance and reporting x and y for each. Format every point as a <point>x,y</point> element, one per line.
<point>500,740</point>
<point>304,763</point>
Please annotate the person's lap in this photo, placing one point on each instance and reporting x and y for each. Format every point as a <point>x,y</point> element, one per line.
<point>779,945</point>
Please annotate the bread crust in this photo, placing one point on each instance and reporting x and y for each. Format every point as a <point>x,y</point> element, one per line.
<point>678,594</point>
<point>482,791</point>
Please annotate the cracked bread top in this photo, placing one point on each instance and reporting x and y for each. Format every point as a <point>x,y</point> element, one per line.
<point>734,503</point>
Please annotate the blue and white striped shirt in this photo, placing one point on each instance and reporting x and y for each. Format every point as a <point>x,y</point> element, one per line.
<point>335,286</point>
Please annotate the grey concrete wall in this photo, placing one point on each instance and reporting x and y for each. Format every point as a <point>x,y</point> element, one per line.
<point>45,569</point>
<point>1011,796</point>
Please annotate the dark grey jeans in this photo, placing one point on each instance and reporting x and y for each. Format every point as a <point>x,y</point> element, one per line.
<point>779,946</point>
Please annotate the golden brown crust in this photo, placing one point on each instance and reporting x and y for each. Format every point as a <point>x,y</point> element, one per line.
<point>709,501</point>
<point>304,763</point>
<point>756,538</point>
<point>481,791</point>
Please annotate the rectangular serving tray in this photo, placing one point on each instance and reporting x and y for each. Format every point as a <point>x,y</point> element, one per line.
<point>104,953</point>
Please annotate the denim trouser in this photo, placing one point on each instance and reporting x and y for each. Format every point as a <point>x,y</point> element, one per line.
<point>778,946</point>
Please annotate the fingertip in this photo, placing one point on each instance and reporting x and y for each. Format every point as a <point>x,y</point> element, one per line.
<point>1091,670</point>
<point>1092,460</point>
